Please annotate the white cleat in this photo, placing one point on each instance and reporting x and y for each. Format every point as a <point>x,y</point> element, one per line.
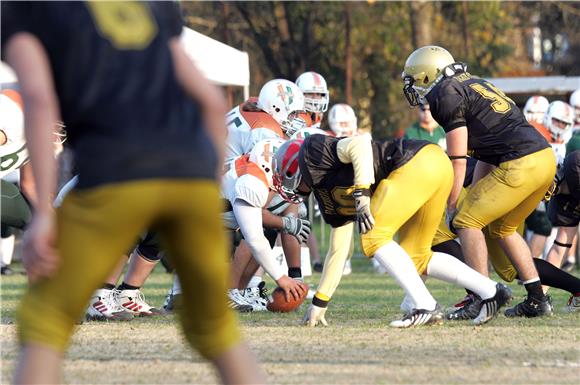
<point>134,302</point>
<point>420,317</point>
<point>104,307</point>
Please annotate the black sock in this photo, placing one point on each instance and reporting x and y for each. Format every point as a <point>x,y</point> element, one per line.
<point>294,272</point>
<point>108,286</point>
<point>124,286</point>
<point>535,289</point>
<point>551,276</point>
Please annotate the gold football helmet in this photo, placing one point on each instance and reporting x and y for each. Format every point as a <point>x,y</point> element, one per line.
<point>423,70</point>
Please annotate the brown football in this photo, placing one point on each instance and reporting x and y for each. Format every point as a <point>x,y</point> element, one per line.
<point>278,303</point>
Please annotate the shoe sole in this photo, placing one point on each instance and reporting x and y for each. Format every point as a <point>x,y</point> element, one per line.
<point>102,318</point>
<point>504,300</point>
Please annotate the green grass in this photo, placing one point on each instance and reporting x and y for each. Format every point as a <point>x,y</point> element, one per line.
<point>357,348</point>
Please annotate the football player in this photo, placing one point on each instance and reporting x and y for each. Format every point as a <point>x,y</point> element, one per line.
<point>515,165</point>
<point>356,180</point>
<point>274,114</point>
<point>316,96</point>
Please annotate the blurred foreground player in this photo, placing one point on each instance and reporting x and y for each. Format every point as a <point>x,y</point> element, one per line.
<point>121,81</point>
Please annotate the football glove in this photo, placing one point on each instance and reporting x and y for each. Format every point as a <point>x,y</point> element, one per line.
<point>315,316</point>
<point>449,216</point>
<point>362,205</point>
<point>298,227</point>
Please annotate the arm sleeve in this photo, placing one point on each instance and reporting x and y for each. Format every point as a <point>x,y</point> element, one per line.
<point>358,151</point>
<point>340,241</point>
<point>250,220</point>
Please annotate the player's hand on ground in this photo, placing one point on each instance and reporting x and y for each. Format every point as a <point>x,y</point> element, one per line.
<point>362,205</point>
<point>292,287</point>
<point>299,228</point>
<point>39,255</point>
<point>315,316</point>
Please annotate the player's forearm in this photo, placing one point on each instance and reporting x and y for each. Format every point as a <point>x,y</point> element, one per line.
<point>459,167</point>
<point>340,240</point>
<point>358,150</point>
<point>41,112</point>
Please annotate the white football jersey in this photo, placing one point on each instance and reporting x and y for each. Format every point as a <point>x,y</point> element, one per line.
<point>250,177</point>
<point>14,153</point>
<point>246,128</point>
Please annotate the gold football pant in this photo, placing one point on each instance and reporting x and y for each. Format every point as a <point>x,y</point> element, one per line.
<point>96,226</point>
<point>506,196</point>
<point>411,201</point>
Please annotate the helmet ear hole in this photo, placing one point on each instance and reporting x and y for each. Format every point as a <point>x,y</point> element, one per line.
<point>277,109</point>
<point>426,80</point>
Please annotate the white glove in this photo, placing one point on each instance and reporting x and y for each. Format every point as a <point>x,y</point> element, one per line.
<point>449,216</point>
<point>362,205</point>
<point>315,316</point>
<point>300,228</point>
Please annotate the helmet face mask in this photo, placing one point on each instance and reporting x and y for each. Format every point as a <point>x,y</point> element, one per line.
<point>535,108</point>
<point>293,124</point>
<point>559,119</point>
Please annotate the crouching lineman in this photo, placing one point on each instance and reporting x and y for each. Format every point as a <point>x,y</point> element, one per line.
<point>359,180</point>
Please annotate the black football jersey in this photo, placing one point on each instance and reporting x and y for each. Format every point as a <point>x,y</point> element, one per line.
<point>564,210</point>
<point>125,114</point>
<point>332,181</point>
<point>497,129</point>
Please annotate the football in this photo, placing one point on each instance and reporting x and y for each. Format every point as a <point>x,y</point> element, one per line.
<point>278,303</point>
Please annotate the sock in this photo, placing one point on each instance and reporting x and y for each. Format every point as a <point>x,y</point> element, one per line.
<point>453,248</point>
<point>534,288</point>
<point>294,272</point>
<point>551,276</point>
<point>125,286</point>
<point>108,286</point>
<point>255,281</point>
<point>446,268</point>
<point>176,289</point>
<point>399,266</point>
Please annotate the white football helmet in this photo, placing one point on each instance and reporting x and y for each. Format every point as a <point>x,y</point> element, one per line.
<point>342,120</point>
<point>559,119</point>
<point>535,108</point>
<point>313,83</point>
<point>575,103</point>
<point>263,155</point>
<point>283,100</point>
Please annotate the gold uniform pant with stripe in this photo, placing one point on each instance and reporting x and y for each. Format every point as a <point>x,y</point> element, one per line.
<point>506,196</point>
<point>501,263</point>
<point>96,226</point>
<point>410,201</point>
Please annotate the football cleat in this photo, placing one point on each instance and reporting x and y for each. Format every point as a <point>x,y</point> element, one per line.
<point>172,302</point>
<point>573,303</point>
<point>237,301</point>
<point>256,296</point>
<point>420,317</point>
<point>468,308</point>
<point>134,302</point>
<point>317,267</point>
<point>491,306</point>
<point>104,307</point>
<point>531,307</point>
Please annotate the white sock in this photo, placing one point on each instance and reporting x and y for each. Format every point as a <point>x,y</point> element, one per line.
<point>255,281</point>
<point>449,269</point>
<point>407,305</point>
<point>176,289</point>
<point>399,266</point>
<point>7,249</point>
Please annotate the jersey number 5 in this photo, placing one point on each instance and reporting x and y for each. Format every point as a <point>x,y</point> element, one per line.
<point>126,24</point>
<point>500,102</point>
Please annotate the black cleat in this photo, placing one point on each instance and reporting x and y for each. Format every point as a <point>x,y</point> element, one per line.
<point>470,309</point>
<point>490,307</point>
<point>317,267</point>
<point>531,307</point>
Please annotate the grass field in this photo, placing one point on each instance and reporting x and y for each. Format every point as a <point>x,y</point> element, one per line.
<point>357,348</point>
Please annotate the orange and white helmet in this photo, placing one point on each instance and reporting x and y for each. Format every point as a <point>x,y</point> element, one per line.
<point>342,120</point>
<point>313,83</point>
<point>263,154</point>
<point>559,119</point>
<point>535,108</point>
<point>283,100</point>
